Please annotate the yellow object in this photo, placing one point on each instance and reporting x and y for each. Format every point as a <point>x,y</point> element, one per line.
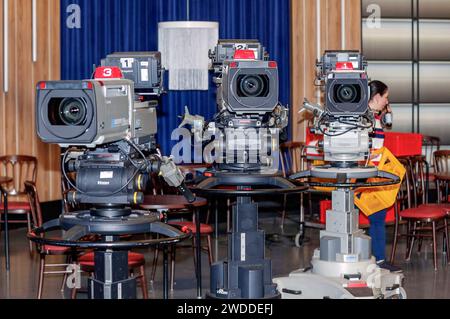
<point>139,182</point>
<point>374,199</point>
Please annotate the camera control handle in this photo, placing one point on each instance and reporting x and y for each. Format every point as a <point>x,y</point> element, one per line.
<point>313,108</point>
<point>174,177</point>
<point>186,192</point>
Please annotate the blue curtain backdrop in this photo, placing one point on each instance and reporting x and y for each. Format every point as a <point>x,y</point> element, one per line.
<point>132,25</point>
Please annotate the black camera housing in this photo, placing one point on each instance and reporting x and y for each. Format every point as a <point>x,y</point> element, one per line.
<point>347,93</point>
<point>226,50</point>
<point>249,86</point>
<point>143,68</point>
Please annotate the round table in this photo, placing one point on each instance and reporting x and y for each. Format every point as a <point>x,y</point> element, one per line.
<point>178,202</point>
<point>5,180</point>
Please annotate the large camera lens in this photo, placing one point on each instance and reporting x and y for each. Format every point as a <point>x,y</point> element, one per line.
<point>253,85</point>
<point>346,93</point>
<point>72,111</point>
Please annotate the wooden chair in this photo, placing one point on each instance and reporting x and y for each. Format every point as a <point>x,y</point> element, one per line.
<point>442,165</point>
<point>430,145</point>
<point>21,168</point>
<point>177,205</point>
<point>292,161</point>
<point>45,250</point>
<point>423,221</point>
<point>206,230</point>
<point>291,157</point>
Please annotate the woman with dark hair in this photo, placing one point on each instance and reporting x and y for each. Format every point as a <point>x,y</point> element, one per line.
<point>379,105</point>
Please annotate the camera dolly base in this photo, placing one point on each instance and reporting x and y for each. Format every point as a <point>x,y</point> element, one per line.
<point>246,273</point>
<point>111,274</point>
<point>343,267</point>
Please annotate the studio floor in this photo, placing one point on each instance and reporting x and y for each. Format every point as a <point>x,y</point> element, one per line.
<point>421,282</point>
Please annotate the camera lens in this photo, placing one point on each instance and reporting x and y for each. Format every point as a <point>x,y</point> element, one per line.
<point>72,111</point>
<point>253,85</point>
<point>346,93</point>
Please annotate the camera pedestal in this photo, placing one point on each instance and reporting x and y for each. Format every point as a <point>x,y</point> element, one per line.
<point>111,254</point>
<point>343,267</point>
<point>111,280</point>
<point>246,274</point>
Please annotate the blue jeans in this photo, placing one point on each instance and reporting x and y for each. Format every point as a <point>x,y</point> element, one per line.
<point>377,232</point>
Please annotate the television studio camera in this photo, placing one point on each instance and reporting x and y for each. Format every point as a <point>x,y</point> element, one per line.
<point>249,118</point>
<point>343,267</point>
<point>108,126</point>
<point>246,125</point>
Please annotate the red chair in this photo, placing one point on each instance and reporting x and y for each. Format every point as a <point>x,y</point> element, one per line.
<point>442,165</point>
<point>423,221</point>
<point>21,168</point>
<point>206,230</point>
<point>45,250</point>
<point>430,145</point>
<point>176,204</point>
<point>292,160</point>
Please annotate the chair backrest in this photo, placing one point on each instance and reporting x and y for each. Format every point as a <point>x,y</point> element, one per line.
<point>420,176</point>
<point>20,168</point>
<point>405,193</point>
<point>430,145</point>
<point>33,198</point>
<point>291,157</point>
<point>442,161</point>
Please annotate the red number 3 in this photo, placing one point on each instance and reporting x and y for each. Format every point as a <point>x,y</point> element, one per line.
<point>107,72</point>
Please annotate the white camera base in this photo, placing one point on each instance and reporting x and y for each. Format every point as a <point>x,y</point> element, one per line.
<point>341,280</point>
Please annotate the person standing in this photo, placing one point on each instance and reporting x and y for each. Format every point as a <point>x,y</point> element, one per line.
<point>379,105</point>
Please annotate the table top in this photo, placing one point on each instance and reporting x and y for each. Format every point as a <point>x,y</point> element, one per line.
<point>170,202</point>
<point>443,176</point>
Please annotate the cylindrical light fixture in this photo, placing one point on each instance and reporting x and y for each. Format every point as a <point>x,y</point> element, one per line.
<point>184,47</point>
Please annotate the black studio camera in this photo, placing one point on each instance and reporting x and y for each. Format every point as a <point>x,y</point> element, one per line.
<point>346,121</point>
<point>346,82</point>
<point>247,105</point>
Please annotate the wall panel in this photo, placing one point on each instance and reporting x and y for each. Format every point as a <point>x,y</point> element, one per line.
<point>411,52</point>
<point>393,40</point>
<point>304,47</point>
<point>17,106</point>
<point>428,9</point>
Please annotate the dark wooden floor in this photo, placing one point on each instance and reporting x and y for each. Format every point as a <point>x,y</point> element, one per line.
<point>422,282</point>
